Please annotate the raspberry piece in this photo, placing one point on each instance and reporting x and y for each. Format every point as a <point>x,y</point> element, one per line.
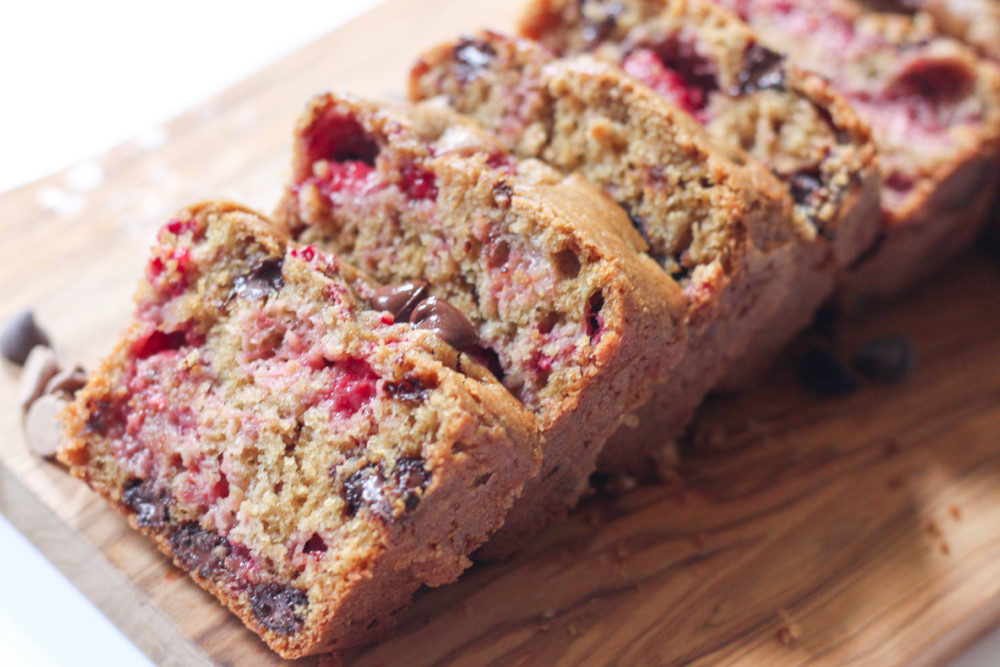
<point>418,183</point>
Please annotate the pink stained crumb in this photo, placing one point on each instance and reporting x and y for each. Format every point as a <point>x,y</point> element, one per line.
<point>418,183</point>
<point>648,67</point>
<point>168,270</point>
<point>351,388</point>
<point>338,180</point>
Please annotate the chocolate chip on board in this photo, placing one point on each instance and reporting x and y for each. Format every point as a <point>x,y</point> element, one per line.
<point>445,320</point>
<point>67,381</point>
<point>400,300</point>
<point>19,336</point>
<point>40,367</point>
<point>822,373</point>
<point>42,430</point>
<point>885,359</point>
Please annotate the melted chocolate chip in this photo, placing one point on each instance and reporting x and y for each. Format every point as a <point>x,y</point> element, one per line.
<point>410,389</point>
<point>369,489</point>
<point>822,373</point>
<point>885,359</point>
<point>199,550</point>
<point>594,321</point>
<point>278,607</point>
<point>363,489</point>
<point>150,503</point>
<point>600,19</point>
<point>263,279</point>
<point>400,300</point>
<point>20,336</point>
<point>762,69</point>
<point>446,321</point>
<point>804,185</point>
<point>472,56</point>
<point>410,478</point>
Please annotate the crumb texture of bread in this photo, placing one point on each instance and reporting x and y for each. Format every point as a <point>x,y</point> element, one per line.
<point>933,106</point>
<point>571,317</point>
<point>307,459</point>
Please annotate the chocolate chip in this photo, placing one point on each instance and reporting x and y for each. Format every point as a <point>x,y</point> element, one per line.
<point>410,477</point>
<point>199,550</point>
<point>600,19</point>
<point>822,373</point>
<point>369,489</point>
<point>804,184</point>
<point>263,279</point>
<point>400,300</point>
<point>885,359</point>
<point>40,367</point>
<point>67,382</point>
<point>20,336</point>
<point>149,502</point>
<point>364,489</point>
<point>42,430</point>
<point>762,69</point>
<point>410,389</point>
<point>278,607</point>
<point>446,321</point>
<point>594,322</point>
<point>472,56</point>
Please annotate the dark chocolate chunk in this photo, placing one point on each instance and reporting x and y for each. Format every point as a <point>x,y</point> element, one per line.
<point>149,502</point>
<point>400,300</point>
<point>20,336</point>
<point>804,184</point>
<point>365,489</point>
<point>410,477</point>
<point>762,69</point>
<point>822,373</point>
<point>410,389</point>
<point>199,550</point>
<point>472,55</point>
<point>279,607</point>
<point>369,489</point>
<point>41,428</point>
<point>885,359</point>
<point>446,321</point>
<point>594,321</point>
<point>263,279</point>
<point>600,19</point>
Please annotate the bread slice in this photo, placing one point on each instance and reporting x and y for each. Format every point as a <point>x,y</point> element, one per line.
<point>572,317</point>
<point>309,460</point>
<point>718,222</point>
<point>934,109</point>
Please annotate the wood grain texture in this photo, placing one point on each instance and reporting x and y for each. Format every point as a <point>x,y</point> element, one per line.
<point>863,529</point>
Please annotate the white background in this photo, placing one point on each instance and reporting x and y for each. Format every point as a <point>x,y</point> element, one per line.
<point>77,78</point>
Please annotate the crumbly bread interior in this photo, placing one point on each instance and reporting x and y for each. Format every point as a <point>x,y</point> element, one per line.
<point>931,102</point>
<point>451,206</point>
<point>691,200</point>
<point>288,444</point>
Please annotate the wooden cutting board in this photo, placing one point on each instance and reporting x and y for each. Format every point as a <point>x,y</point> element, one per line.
<point>862,529</point>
